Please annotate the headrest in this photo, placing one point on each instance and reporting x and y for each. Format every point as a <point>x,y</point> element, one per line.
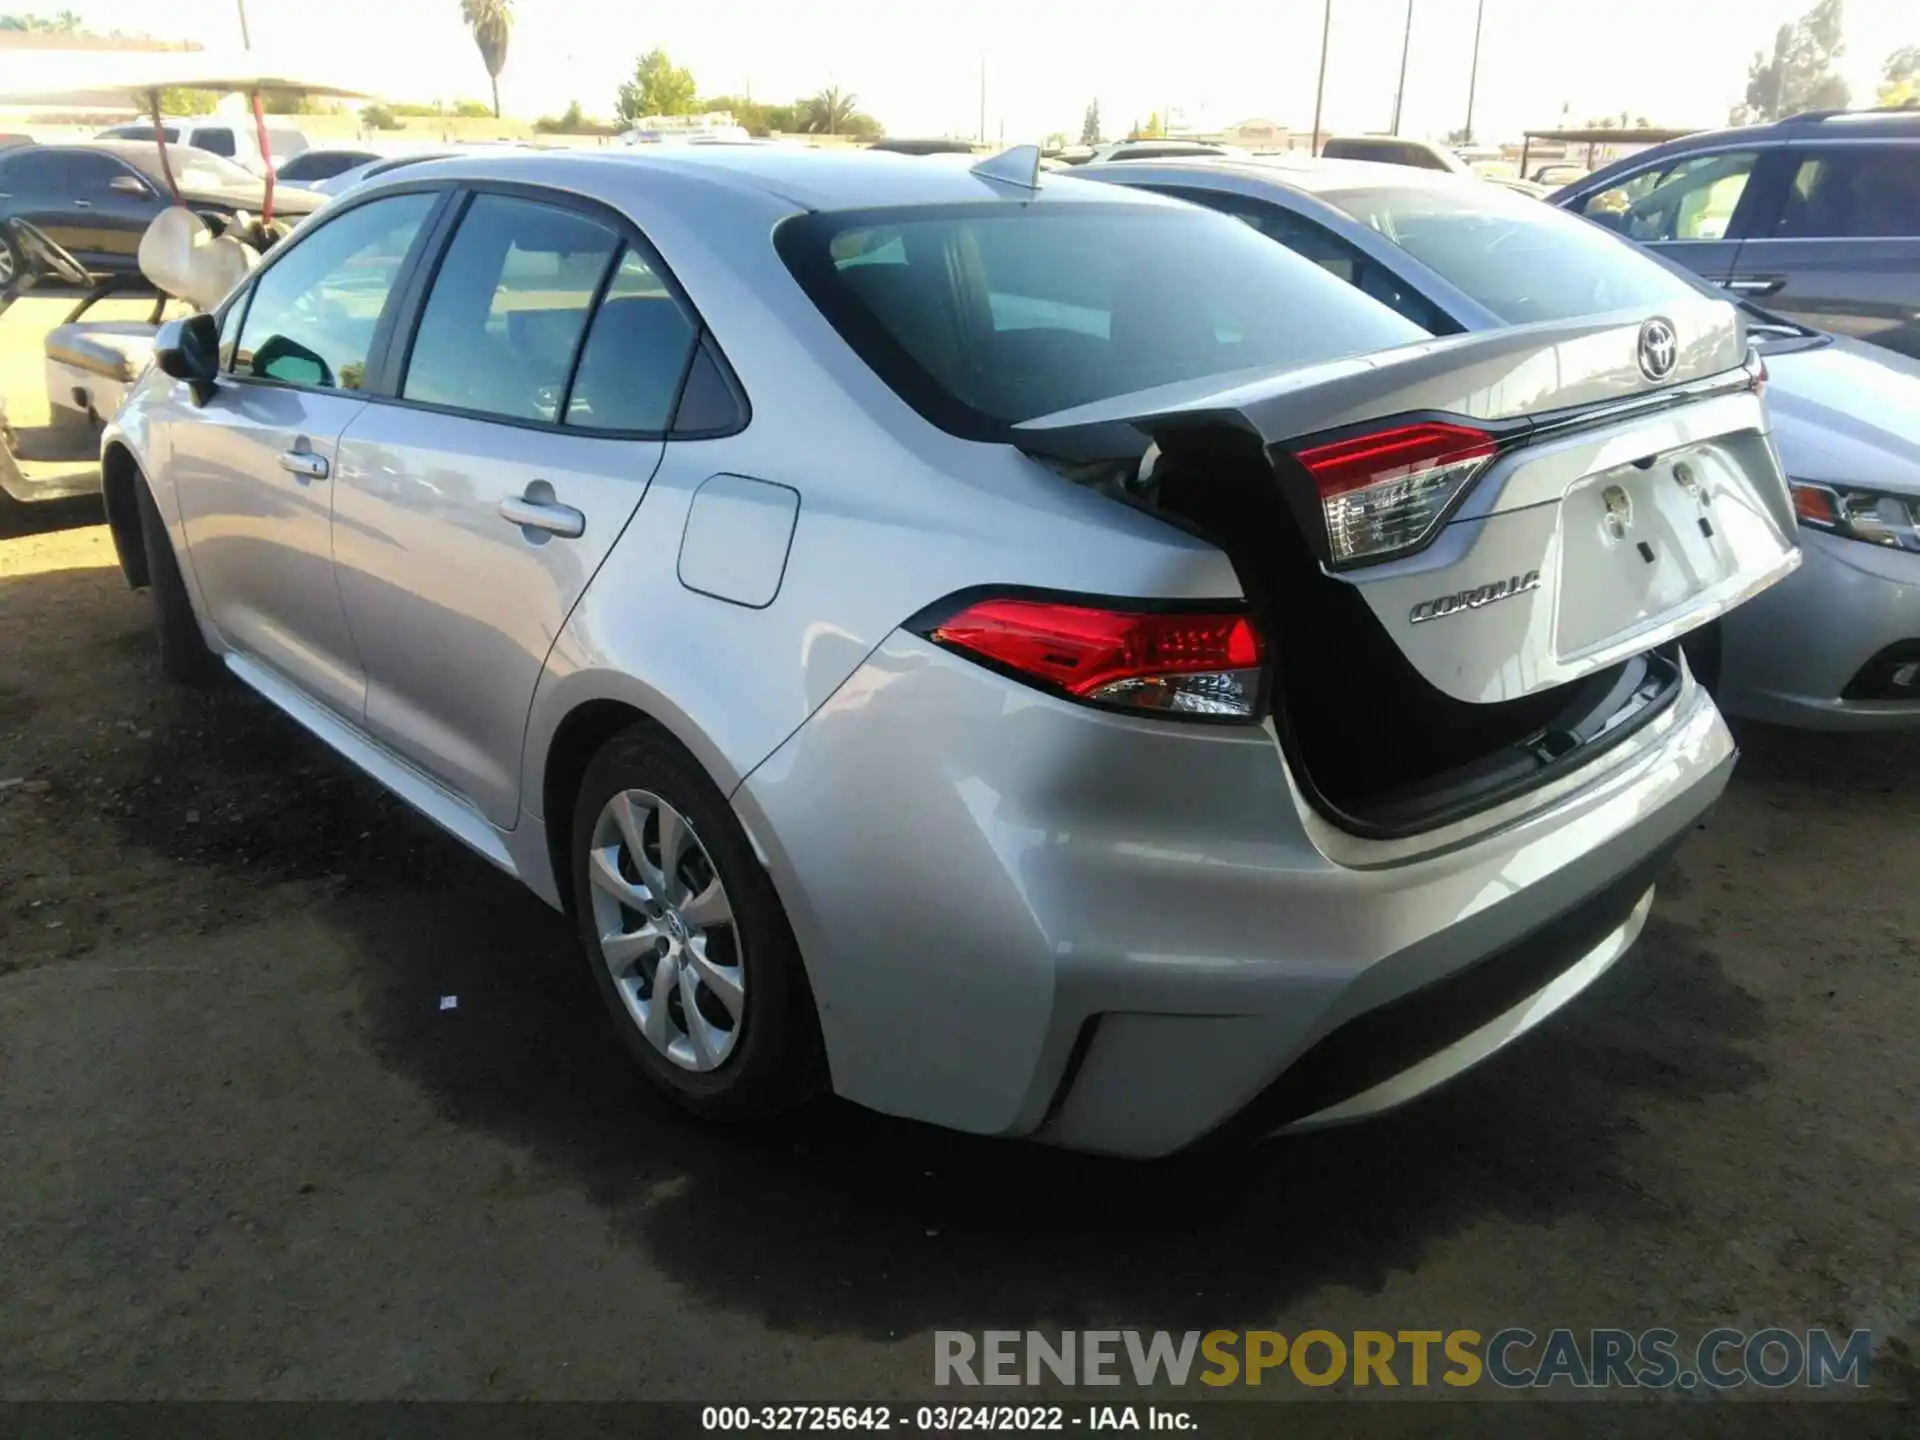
<point>182,257</point>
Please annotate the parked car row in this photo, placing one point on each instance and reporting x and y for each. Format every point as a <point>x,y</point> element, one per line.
<point>1021,652</point>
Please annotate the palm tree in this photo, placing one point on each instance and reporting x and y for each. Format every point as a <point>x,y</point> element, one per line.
<point>491,21</point>
<point>830,110</point>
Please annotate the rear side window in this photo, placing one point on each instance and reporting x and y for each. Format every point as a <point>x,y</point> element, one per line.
<point>313,314</point>
<point>508,308</point>
<point>982,316</point>
<point>635,356</point>
<point>1332,254</point>
<point>1523,260</point>
<point>1857,192</point>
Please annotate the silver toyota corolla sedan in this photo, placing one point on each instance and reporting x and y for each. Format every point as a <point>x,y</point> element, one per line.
<point>1838,647</point>
<point>1032,657</point>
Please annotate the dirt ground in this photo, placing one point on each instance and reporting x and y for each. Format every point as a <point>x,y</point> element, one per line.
<point>247,1151</point>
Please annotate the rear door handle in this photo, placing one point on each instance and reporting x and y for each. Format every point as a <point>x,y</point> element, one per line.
<point>548,515</point>
<point>83,204</point>
<point>306,465</point>
<point>1756,284</point>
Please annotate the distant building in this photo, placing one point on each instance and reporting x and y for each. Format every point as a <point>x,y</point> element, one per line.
<point>1256,134</point>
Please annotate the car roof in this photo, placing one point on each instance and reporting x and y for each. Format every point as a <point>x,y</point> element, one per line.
<point>810,179</point>
<point>1314,176</point>
<point>1813,128</point>
<point>143,153</point>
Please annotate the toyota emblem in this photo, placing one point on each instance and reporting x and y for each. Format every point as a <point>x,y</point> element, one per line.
<point>1659,349</point>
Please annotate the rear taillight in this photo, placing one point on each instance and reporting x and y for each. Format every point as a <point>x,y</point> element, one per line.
<point>1170,662</point>
<point>1385,492</point>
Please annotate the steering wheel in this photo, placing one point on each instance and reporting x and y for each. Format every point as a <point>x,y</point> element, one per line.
<point>46,257</point>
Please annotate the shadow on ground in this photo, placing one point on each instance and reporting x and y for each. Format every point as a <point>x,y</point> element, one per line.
<point>840,1220</point>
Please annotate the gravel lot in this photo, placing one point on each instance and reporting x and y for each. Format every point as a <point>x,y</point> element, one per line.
<point>247,1152</point>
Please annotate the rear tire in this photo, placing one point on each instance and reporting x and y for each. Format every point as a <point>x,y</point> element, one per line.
<point>184,656</point>
<point>697,965</point>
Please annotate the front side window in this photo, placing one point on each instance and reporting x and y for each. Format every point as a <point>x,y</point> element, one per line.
<point>985,316</point>
<point>636,354</point>
<point>508,308</point>
<point>38,172</point>
<point>1690,199</point>
<point>314,312</point>
<point>1523,260</point>
<point>90,172</point>
<point>1858,192</point>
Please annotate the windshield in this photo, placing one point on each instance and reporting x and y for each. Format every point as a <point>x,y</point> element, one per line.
<point>1521,259</point>
<point>982,316</point>
<point>199,169</point>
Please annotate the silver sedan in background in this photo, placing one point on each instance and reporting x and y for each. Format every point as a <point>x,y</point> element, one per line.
<point>1024,654</point>
<point>1838,646</point>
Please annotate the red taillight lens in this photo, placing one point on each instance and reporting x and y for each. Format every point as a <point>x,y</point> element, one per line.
<point>1816,505</point>
<point>1384,492</point>
<point>1185,663</point>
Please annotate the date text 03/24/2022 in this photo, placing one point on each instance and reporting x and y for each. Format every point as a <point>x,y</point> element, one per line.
<point>943,1419</point>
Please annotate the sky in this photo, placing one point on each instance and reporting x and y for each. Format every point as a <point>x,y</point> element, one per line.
<point>917,67</point>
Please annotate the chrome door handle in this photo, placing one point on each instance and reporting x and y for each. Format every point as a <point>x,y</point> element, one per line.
<point>1756,284</point>
<point>83,204</point>
<point>562,520</point>
<point>307,466</point>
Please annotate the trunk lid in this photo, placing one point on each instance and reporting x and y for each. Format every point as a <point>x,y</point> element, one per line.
<point>1603,511</point>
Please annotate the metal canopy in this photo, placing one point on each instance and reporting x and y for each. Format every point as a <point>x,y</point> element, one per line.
<point>131,79</point>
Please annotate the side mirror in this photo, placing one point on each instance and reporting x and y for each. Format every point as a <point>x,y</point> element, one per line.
<point>129,185</point>
<point>189,349</point>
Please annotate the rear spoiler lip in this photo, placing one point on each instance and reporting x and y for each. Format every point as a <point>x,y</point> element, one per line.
<point>1118,440</point>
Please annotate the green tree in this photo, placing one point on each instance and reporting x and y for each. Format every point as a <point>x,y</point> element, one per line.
<point>1902,72</point>
<point>64,23</point>
<point>491,22</point>
<point>828,111</point>
<point>658,87</point>
<point>1799,74</point>
<point>1090,124</point>
<point>750,114</point>
<point>379,117</point>
<point>186,102</point>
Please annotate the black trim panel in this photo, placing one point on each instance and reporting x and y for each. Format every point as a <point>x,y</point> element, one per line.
<point>1384,1042</point>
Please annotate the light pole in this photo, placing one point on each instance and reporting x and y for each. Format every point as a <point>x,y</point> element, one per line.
<point>1320,89</point>
<point>1406,43</point>
<point>246,41</point>
<point>1473,72</point>
<point>983,97</point>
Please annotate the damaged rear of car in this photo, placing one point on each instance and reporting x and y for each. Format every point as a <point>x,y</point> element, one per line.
<point>1297,854</point>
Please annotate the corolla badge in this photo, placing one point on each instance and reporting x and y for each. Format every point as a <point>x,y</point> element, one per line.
<point>1442,606</point>
<point>1659,349</point>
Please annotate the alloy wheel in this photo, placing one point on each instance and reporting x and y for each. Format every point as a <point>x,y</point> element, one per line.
<point>666,930</point>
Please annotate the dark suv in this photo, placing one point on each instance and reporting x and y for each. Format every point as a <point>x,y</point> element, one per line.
<point>1818,216</point>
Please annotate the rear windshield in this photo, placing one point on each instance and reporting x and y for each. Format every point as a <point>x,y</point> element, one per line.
<point>1522,259</point>
<point>982,316</point>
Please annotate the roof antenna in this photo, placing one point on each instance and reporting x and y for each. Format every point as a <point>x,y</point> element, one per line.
<point>1019,165</point>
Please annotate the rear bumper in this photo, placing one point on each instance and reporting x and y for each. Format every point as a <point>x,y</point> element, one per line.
<point>1025,917</point>
<point>1790,656</point>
